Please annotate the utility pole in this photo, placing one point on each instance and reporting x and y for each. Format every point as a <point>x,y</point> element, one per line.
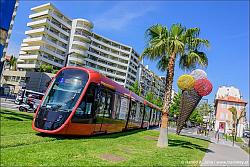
<point>67,57</point>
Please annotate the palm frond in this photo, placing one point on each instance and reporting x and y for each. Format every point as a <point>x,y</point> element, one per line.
<point>163,63</point>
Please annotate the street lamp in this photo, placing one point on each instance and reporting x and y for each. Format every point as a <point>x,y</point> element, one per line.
<point>67,57</point>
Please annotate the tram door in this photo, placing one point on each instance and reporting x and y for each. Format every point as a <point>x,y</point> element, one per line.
<point>104,110</point>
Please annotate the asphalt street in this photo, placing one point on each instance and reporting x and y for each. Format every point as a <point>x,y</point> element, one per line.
<point>8,103</point>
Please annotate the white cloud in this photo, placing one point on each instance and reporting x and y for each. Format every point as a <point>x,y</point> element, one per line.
<point>120,15</point>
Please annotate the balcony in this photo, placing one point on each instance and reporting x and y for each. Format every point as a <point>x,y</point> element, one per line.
<point>107,66</point>
<point>39,14</point>
<point>82,45</point>
<point>24,44</point>
<point>34,40</point>
<point>53,53</point>
<point>56,36</point>
<point>64,22</point>
<point>76,59</point>
<point>37,23</point>
<point>58,28</point>
<point>110,46</point>
<point>21,52</point>
<point>110,60</point>
<point>20,60</point>
<point>27,65</point>
<point>28,57</point>
<point>84,53</point>
<point>30,48</point>
<point>42,7</point>
<point>35,31</point>
<point>83,27</point>
<point>55,45</point>
<point>50,61</point>
<point>84,37</point>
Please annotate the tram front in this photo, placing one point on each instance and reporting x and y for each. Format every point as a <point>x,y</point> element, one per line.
<point>60,100</point>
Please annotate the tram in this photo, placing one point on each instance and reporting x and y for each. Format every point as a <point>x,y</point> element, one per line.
<point>81,101</point>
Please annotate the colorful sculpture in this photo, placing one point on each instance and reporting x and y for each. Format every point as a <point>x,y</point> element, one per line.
<point>198,74</point>
<point>203,87</point>
<point>185,82</point>
<point>194,87</point>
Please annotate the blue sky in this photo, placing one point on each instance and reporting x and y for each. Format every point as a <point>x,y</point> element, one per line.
<point>225,24</point>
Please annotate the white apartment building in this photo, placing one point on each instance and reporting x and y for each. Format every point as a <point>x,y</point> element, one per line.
<point>57,40</point>
<point>47,41</point>
<point>150,82</point>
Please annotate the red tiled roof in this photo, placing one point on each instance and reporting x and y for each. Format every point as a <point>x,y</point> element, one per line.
<point>7,58</point>
<point>231,99</point>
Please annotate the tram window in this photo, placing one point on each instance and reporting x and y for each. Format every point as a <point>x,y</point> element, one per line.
<point>106,103</point>
<point>117,104</point>
<point>137,115</point>
<point>147,114</point>
<point>86,108</point>
<point>122,112</point>
<point>133,111</point>
<point>141,111</point>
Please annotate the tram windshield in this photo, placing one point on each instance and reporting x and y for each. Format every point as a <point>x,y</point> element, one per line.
<point>66,90</point>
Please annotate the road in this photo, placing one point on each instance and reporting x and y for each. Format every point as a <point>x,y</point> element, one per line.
<point>8,103</point>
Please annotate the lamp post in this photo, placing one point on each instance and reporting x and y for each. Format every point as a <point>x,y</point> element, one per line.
<point>67,57</point>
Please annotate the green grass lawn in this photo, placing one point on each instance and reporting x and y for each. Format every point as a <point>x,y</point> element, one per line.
<point>238,139</point>
<point>21,146</point>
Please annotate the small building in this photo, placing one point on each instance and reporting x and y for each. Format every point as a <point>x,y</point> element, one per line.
<point>36,81</point>
<point>225,99</point>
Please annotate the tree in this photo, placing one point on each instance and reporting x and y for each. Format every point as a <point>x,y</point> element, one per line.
<point>12,63</point>
<point>175,106</point>
<point>49,69</point>
<point>135,88</point>
<point>42,68</point>
<point>150,97</point>
<point>237,118</point>
<point>196,117</point>
<point>46,68</point>
<point>164,46</point>
<point>158,101</point>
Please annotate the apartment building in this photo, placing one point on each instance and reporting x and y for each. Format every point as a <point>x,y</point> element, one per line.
<point>9,8</point>
<point>57,40</point>
<point>150,82</point>
<point>227,97</point>
<point>10,27</point>
<point>47,39</point>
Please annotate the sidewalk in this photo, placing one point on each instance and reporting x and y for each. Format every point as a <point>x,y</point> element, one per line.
<point>223,153</point>
<point>220,153</point>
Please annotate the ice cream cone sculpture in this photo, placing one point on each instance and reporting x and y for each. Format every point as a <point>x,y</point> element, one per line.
<point>194,87</point>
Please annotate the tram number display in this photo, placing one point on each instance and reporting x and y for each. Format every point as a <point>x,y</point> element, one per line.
<point>123,108</point>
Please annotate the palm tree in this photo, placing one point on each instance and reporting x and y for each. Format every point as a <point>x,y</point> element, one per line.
<point>236,118</point>
<point>12,62</point>
<point>164,46</point>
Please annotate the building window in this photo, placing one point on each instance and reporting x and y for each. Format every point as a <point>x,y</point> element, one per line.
<point>222,116</point>
<point>223,105</point>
